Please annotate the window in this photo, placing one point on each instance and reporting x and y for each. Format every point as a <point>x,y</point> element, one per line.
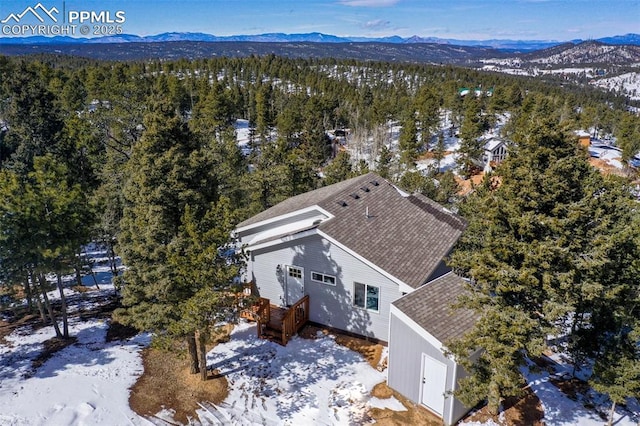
<point>295,272</point>
<point>366,296</point>
<point>323,278</point>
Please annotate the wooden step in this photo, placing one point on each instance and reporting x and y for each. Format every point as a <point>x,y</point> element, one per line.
<point>273,335</point>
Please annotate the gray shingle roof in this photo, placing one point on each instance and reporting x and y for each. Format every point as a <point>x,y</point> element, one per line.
<point>430,307</point>
<point>298,202</point>
<point>406,236</point>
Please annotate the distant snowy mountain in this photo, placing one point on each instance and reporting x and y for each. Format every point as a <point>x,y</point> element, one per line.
<point>622,39</point>
<point>588,52</point>
<point>315,37</point>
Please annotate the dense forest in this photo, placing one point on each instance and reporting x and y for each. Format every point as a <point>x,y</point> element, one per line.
<point>142,157</point>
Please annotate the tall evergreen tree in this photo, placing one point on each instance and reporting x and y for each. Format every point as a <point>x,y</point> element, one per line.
<point>170,177</point>
<point>546,246</point>
<point>439,150</point>
<point>338,169</point>
<point>383,163</point>
<point>45,220</point>
<point>628,136</point>
<point>408,142</point>
<point>35,122</point>
<point>473,124</point>
<point>428,107</point>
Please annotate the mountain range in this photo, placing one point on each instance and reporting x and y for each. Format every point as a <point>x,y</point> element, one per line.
<point>499,44</point>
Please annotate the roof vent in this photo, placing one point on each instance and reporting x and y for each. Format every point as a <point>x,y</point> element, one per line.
<point>375,183</point>
<point>342,203</point>
<point>354,196</point>
<point>317,222</point>
<point>365,189</point>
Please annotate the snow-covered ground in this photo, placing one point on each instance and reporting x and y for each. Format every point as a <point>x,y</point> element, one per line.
<point>628,83</point>
<point>306,382</point>
<point>561,410</point>
<point>86,383</point>
<point>243,136</point>
<point>607,153</point>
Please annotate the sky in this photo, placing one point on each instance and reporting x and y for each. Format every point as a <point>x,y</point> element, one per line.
<point>559,20</point>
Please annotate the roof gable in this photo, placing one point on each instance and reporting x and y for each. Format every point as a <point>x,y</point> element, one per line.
<point>404,235</point>
<point>431,308</point>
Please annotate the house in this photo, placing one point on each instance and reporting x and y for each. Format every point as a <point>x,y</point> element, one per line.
<point>584,138</point>
<point>495,151</point>
<point>365,258</point>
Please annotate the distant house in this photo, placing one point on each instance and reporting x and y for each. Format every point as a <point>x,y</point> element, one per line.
<point>584,138</point>
<point>464,91</point>
<point>495,151</point>
<point>363,257</point>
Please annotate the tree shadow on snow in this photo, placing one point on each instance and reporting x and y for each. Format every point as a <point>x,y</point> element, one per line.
<point>89,349</point>
<point>283,375</point>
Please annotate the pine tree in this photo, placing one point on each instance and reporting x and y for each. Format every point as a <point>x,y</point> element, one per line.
<point>471,146</point>
<point>203,260</point>
<point>428,107</point>
<point>170,174</point>
<point>439,150</point>
<point>408,142</point>
<point>45,221</point>
<point>448,188</point>
<point>34,120</point>
<point>616,371</point>
<point>628,136</point>
<point>383,163</point>
<point>338,169</point>
<point>545,246</point>
<point>414,181</point>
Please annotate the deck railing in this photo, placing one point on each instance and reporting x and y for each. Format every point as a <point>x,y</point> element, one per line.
<point>295,317</point>
<point>262,314</point>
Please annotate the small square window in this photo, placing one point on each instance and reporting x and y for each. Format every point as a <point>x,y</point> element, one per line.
<point>366,297</point>
<point>295,272</point>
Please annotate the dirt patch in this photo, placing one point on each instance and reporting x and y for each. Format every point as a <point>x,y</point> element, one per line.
<point>467,185</point>
<point>372,352</point>
<point>606,168</point>
<point>523,411</point>
<point>167,383</point>
<point>7,327</point>
<point>415,415</point>
<point>50,348</point>
<point>571,387</point>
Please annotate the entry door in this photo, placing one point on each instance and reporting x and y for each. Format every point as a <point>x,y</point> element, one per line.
<point>434,382</point>
<point>295,284</point>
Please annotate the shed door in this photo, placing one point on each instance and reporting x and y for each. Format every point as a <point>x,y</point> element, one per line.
<point>434,382</point>
<point>295,284</point>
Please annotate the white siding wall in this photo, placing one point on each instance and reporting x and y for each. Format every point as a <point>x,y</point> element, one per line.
<point>405,367</point>
<point>329,305</point>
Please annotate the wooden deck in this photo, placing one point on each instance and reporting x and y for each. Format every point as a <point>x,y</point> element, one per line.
<point>276,323</point>
<point>276,317</point>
